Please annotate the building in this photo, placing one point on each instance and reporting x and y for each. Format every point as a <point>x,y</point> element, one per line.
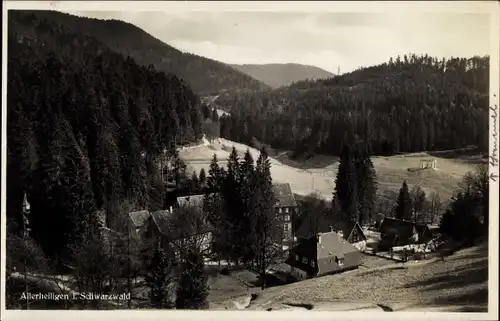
<point>285,207</point>
<point>153,226</point>
<point>319,223</point>
<point>394,232</point>
<point>323,254</point>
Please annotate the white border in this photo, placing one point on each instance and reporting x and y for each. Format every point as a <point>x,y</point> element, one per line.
<point>487,7</point>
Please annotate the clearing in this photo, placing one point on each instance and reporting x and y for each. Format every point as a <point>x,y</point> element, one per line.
<point>318,173</point>
<point>457,284</point>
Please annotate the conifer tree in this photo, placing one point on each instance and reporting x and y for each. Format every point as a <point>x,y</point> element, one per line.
<point>192,289</point>
<point>202,178</point>
<point>366,185</point>
<point>404,205</point>
<point>268,232</point>
<point>247,170</point>
<point>346,185</point>
<point>159,280</point>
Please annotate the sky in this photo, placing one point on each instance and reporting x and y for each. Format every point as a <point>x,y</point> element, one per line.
<point>332,41</point>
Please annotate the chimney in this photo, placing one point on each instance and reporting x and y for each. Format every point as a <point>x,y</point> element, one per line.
<point>331,228</point>
<point>318,238</point>
<point>341,234</point>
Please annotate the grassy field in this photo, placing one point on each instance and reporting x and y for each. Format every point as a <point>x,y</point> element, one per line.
<point>457,284</point>
<point>317,174</point>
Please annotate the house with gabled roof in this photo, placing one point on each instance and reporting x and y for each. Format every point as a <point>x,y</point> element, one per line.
<point>316,223</point>
<point>285,207</point>
<point>323,254</point>
<point>395,232</point>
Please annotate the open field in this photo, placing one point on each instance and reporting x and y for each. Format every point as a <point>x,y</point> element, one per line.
<point>457,284</point>
<point>318,174</point>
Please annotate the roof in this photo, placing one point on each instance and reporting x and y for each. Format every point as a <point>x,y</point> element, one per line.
<point>401,227</point>
<point>162,220</point>
<point>332,244</point>
<point>283,195</point>
<point>191,200</point>
<point>319,223</point>
<point>138,218</point>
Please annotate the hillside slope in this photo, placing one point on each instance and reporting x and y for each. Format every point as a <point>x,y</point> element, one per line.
<point>457,284</point>
<point>319,176</point>
<point>414,104</point>
<point>278,75</point>
<point>204,76</point>
<point>79,118</point>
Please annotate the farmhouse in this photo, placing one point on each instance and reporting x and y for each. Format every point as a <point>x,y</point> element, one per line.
<point>322,254</point>
<point>319,223</point>
<point>396,232</point>
<point>284,207</point>
<point>153,226</point>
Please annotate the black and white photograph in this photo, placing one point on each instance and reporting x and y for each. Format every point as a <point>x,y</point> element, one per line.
<point>180,156</point>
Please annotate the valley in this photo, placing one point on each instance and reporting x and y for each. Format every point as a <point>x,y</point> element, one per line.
<point>317,175</point>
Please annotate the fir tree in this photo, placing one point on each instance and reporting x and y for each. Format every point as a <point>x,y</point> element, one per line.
<point>202,177</point>
<point>215,177</point>
<point>346,186</point>
<point>404,206</point>
<point>159,280</point>
<point>192,289</point>
<point>366,185</point>
<point>268,232</point>
<point>247,183</point>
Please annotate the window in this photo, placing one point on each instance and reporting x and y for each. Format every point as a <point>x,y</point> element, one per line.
<point>340,261</point>
<point>304,260</point>
<point>286,210</point>
<point>285,227</point>
<point>287,217</point>
<point>313,264</point>
<point>279,210</point>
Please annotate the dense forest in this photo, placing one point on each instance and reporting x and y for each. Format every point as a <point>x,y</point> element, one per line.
<point>205,76</point>
<point>410,104</point>
<point>86,130</point>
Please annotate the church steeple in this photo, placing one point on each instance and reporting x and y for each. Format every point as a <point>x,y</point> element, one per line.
<point>26,204</point>
<point>26,212</point>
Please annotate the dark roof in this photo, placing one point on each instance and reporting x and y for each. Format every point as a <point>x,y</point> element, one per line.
<point>162,220</point>
<point>401,227</point>
<point>138,218</point>
<point>283,195</point>
<point>319,223</point>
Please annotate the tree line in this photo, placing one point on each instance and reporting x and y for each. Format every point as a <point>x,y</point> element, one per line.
<point>86,131</point>
<point>410,104</point>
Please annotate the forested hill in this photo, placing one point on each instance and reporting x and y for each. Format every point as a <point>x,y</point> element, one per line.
<point>409,104</point>
<point>279,75</point>
<point>204,76</point>
<point>85,129</point>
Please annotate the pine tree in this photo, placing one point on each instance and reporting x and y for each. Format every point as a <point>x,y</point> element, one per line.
<point>192,289</point>
<point>159,280</point>
<point>267,229</point>
<point>366,185</point>
<point>346,185</point>
<point>202,178</point>
<point>418,201</point>
<point>404,204</point>
<point>194,183</point>
<point>215,175</point>
<point>231,193</point>
<point>247,170</point>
